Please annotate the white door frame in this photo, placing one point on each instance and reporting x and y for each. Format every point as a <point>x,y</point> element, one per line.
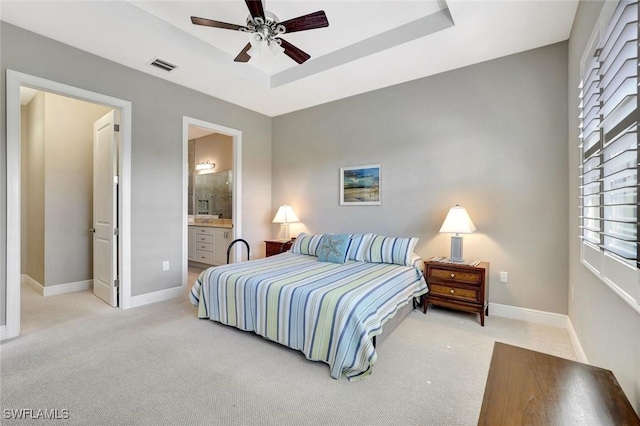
<point>13,82</point>
<point>236,231</point>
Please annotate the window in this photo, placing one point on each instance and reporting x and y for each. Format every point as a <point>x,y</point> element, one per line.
<point>609,150</point>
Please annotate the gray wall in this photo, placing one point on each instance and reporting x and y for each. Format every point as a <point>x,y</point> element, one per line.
<point>607,327</point>
<point>156,152</point>
<point>491,137</point>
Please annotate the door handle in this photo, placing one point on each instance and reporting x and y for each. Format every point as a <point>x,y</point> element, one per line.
<point>93,230</point>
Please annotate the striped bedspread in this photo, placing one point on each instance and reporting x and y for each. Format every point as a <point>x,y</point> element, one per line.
<point>328,311</point>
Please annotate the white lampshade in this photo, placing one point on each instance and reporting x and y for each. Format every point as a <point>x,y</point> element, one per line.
<point>458,221</point>
<point>285,214</point>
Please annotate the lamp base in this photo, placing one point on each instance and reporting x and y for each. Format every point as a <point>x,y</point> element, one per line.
<point>285,231</point>
<point>456,249</point>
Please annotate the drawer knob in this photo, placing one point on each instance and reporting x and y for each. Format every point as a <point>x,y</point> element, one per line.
<point>453,275</point>
<point>452,291</point>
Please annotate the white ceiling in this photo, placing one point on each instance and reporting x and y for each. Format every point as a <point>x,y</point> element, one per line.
<point>368,44</point>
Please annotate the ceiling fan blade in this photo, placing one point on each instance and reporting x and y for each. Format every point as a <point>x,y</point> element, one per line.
<point>216,24</point>
<point>293,52</point>
<point>307,22</point>
<point>243,56</point>
<point>255,8</point>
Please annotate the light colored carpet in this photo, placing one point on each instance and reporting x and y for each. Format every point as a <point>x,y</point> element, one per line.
<point>159,364</point>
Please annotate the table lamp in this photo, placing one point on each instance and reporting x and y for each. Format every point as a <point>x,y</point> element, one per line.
<point>457,222</point>
<point>285,216</point>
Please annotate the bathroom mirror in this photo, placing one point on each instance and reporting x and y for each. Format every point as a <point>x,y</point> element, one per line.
<point>213,194</point>
<point>210,190</point>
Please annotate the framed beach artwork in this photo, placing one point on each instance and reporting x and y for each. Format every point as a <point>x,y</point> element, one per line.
<point>360,185</point>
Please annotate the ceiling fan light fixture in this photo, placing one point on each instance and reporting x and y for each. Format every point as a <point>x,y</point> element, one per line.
<point>256,40</point>
<point>275,48</point>
<point>264,27</point>
<point>257,43</point>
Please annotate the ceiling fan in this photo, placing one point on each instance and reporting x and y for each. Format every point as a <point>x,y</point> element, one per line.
<point>265,29</point>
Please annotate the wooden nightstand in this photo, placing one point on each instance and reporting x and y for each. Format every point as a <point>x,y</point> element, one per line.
<point>277,246</point>
<point>457,286</point>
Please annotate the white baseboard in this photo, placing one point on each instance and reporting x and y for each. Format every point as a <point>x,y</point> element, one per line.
<point>530,315</point>
<point>143,299</point>
<point>157,296</point>
<point>577,346</point>
<point>39,288</point>
<point>3,332</point>
<point>541,317</point>
<point>68,287</point>
<point>54,290</point>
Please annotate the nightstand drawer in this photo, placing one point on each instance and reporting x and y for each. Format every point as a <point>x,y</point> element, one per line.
<point>454,292</point>
<point>469,277</point>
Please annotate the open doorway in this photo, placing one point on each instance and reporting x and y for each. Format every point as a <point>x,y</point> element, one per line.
<point>211,193</point>
<point>15,81</point>
<point>68,163</point>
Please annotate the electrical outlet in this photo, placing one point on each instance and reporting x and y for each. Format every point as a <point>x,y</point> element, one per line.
<point>504,277</point>
<point>165,265</point>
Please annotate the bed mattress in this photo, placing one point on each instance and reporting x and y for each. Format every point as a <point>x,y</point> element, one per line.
<point>328,311</point>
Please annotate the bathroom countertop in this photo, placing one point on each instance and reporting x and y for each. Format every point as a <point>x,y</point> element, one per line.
<point>214,223</point>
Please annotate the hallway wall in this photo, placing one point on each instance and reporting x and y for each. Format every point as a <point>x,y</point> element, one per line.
<point>59,187</point>
<point>33,187</point>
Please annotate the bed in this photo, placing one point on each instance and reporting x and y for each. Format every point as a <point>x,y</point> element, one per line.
<point>329,310</point>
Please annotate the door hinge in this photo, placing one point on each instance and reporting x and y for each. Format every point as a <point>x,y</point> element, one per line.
<point>116,127</point>
<point>115,180</point>
<point>116,231</point>
<point>116,283</point>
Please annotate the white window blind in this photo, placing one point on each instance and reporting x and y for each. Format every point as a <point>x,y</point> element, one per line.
<point>609,139</point>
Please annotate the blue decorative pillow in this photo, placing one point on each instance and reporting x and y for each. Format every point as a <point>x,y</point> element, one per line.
<point>358,246</point>
<point>334,248</point>
<point>306,244</point>
<point>396,250</point>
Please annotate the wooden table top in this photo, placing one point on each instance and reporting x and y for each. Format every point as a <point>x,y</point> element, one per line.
<point>525,387</point>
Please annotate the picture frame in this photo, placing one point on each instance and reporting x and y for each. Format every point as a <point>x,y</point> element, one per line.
<point>360,185</point>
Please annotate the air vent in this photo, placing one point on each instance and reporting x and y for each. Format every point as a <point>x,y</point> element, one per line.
<point>163,65</point>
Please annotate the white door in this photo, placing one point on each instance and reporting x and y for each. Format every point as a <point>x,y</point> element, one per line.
<point>105,190</point>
